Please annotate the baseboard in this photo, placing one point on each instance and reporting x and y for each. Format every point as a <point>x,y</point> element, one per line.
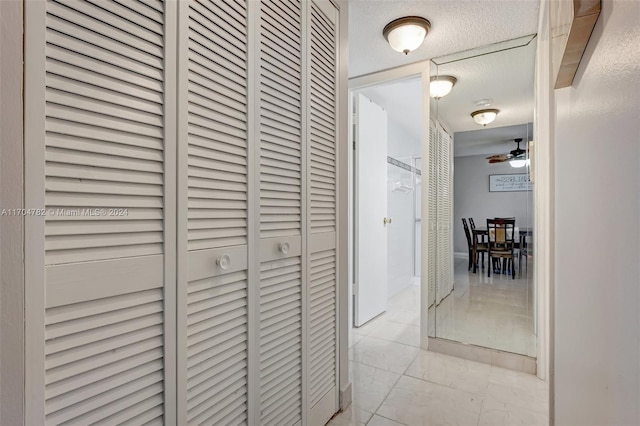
<point>484,355</point>
<point>346,396</point>
<point>460,255</point>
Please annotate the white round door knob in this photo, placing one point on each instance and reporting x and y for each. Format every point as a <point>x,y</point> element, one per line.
<point>223,261</point>
<point>284,248</point>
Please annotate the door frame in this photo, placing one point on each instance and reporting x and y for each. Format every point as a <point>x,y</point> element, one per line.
<point>419,69</point>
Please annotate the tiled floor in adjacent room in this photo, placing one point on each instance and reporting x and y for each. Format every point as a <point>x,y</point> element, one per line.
<point>397,383</point>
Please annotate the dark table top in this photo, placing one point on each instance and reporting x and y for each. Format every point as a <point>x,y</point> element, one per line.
<point>522,231</point>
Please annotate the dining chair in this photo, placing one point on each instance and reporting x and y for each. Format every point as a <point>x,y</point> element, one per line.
<point>500,244</point>
<point>480,246</point>
<point>521,247</point>
<point>469,242</point>
<point>525,249</point>
<point>516,242</point>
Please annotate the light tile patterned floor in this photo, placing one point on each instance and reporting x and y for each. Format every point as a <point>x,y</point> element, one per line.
<point>495,312</point>
<point>396,383</point>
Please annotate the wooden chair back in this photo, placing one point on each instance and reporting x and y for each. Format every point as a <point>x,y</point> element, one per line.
<point>501,233</point>
<point>467,233</point>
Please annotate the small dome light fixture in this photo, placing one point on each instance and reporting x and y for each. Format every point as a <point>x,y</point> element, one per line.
<point>484,116</point>
<point>406,34</point>
<point>519,162</point>
<point>441,85</point>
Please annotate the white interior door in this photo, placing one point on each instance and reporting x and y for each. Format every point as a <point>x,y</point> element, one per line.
<point>371,210</point>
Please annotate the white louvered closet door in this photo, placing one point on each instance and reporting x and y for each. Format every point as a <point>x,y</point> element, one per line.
<point>444,202</point>
<point>188,152</point>
<point>98,147</point>
<point>448,143</point>
<point>432,254</point>
<point>212,213</point>
<point>442,208</point>
<point>281,201</point>
<point>322,303</point>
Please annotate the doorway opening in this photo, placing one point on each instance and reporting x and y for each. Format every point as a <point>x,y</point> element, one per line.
<point>387,184</point>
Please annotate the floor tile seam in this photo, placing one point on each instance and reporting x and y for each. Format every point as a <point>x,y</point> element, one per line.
<point>376,367</point>
<point>448,386</point>
<point>391,341</point>
<point>394,341</point>
<point>403,323</point>
<point>395,321</point>
<point>386,396</point>
<point>385,417</point>
<point>511,404</point>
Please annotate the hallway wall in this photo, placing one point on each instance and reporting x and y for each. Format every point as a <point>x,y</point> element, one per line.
<point>597,206</point>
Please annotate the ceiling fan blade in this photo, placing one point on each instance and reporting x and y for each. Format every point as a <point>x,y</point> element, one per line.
<point>497,160</point>
<point>498,157</point>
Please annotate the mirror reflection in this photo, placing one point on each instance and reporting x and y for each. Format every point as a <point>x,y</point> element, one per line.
<point>481,197</point>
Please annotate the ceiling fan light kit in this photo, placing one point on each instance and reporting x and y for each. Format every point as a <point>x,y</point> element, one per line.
<point>441,85</point>
<point>406,34</point>
<point>484,116</point>
<point>517,163</point>
<point>516,157</point>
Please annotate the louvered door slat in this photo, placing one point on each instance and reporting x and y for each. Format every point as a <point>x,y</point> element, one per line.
<point>322,120</point>
<point>92,18</point>
<point>280,341</point>
<point>75,388</point>
<point>151,33</point>
<point>280,71</point>
<point>90,114</point>
<point>143,9</point>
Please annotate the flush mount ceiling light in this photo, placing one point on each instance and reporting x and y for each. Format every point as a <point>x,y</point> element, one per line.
<point>441,85</point>
<point>406,34</point>
<point>484,116</point>
<point>519,162</point>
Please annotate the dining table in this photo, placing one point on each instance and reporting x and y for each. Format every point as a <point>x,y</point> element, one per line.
<point>481,232</point>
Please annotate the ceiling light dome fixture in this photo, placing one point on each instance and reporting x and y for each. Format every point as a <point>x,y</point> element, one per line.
<point>441,85</point>
<point>519,162</point>
<point>406,34</point>
<point>484,116</point>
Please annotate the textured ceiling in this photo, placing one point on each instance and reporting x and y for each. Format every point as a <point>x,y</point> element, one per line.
<point>498,140</point>
<point>506,77</point>
<point>456,25</point>
<point>458,42</point>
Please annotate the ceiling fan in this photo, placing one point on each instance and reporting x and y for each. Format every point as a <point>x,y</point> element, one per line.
<point>517,153</point>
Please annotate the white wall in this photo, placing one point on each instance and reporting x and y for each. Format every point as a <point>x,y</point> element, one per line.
<point>473,199</point>
<point>400,247</point>
<point>597,216</point>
